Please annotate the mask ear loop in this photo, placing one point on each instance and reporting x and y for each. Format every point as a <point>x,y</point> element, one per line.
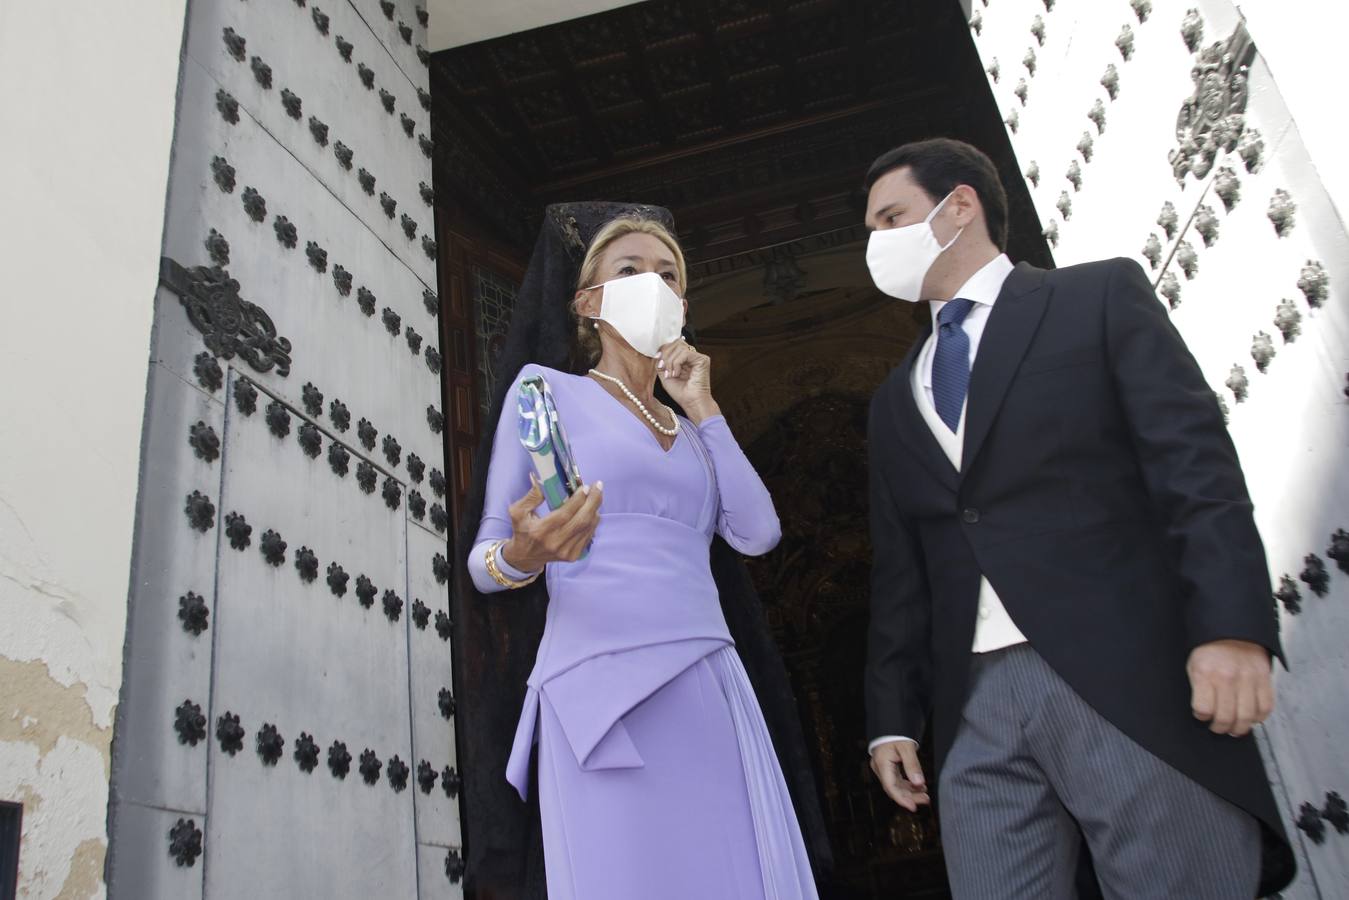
<point>936,209</point>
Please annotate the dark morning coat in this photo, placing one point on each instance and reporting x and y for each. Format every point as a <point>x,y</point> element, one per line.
<point>1102,497</point>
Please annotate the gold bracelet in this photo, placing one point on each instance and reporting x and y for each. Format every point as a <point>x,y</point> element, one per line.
<point>498,576</point>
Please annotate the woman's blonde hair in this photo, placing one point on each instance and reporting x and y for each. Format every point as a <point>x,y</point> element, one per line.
<point>587,337</point>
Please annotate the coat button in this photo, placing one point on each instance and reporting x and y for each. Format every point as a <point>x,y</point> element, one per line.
<point>970,516</point>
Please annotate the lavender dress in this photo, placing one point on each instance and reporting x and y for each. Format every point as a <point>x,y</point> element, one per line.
<point>656,775</point>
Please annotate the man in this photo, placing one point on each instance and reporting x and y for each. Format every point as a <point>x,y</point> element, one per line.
<point>1067,572</point>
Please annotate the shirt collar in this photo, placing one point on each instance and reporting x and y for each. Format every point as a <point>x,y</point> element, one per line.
<point>983,286</point>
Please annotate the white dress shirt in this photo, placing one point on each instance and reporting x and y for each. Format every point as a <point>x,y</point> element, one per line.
<point>994,628</point>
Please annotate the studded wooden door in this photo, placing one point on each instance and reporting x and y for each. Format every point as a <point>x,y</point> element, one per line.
<point>286,720</point>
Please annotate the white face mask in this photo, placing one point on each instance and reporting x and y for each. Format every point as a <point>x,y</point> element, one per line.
<point>643,310</point>
<point>899,258</point>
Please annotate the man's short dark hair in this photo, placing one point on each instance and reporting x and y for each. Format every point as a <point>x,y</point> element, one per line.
<point>938,165</point>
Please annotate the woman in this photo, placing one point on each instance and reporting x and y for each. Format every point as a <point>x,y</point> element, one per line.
<point>656,775</point>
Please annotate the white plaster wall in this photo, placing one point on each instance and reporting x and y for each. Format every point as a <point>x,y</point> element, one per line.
<point>87,104</point>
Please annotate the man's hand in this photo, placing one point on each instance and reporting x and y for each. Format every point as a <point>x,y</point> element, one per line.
<point>896,765</point>
<point>1230,685</point>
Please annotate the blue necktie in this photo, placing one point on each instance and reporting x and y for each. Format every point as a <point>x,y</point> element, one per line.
<point>951,362</point>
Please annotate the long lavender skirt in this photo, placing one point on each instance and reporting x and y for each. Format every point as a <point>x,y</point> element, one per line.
<point>707,817</point>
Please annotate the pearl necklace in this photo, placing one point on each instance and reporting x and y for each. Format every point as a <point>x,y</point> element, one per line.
<point>668,432</point>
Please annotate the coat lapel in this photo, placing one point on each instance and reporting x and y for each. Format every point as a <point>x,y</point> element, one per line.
<point>910,425</point>
<point>1011,326</point>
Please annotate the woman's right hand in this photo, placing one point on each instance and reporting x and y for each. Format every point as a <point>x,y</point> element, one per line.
<point>560,536</point>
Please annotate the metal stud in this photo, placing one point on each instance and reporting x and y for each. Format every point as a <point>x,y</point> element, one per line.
<point>1288,320</point>
<point>409,124</point>
<point>366,433</point>
<point>424,99</point>
<point>1339,549</point>
<point>435,420</point>
<point>271,745</point>
<point>370,766</point>
<point>318,257</point>
<point>1033,173</point>
<point>426,776</point>
<point>1086,145</point>
<point>428,194</point>
<point>273,548</point>
<point>393,606</point>
<point>254,204</point>
<point>451,781</point>
<point>339,760</point>
<point>1206,223</point>
<point>286,232</point>
<point>1192,30</point>
<point>193,613</point>
<point>367,75</point>
<point>444,624</point>
<point>321,21</point>
<point>208,371</point>
<point>1142,9</point>
<point>229,733</point>
<point>405,32</point>
<point>278,419</point>
<point>1314,575</point>
<point>338,458</point>
<point>392,322</point>
<point>190,723</point>
<point>1097,115</point>
<point>1227,186</point>
<point>292,103</point>
<point>1152,251</point>
<point>1030,61</point>
<point>388,203</point>
<point>409,226</point>
<point>1021,90</point>
<point>1262,351</point>
<point>440,567</point>
<point>337,579</point>
<point>422,16</point>
<point>454,866</point>
<point>228,106</point>
<point>365,299</point>
<point>1168,220</point>
<point>1125,42</point>
<point>1037,29</point>
<point>994,70</point>
<point>1251,149</point>
<point>1188,259</point>
<point>393,451</point>
<point>1012,121</point>
<point>343,154</point>
<point>416,468</point>
<point>1170,289</point>
<point>365,591</point>
<point>312,398</point>
<point>342,280</point>
<point>238,531</point>
<point>387,100</point>
<point>428,247</point>
<point>1074,175</point>
<point>445,700</point>
<point>262,72</point>
<point>414,340</point>
<point>423,56</point>
<point>421,614</point>
<point>398,774</point>
<point>185,842</point>
<point>1336,812</point>
<point>1065,205</point>
<point>204,441</point>
<point>1289,595</point>
<point>245,396</point>
<point>1309,822</point>
<point>200,512</point>
<point>365,477</point>
<point>340,416</point>
<point>431,301</point>
<point>1238,383</point>
<point>307,564</point>
<point>440,519</point>
<point>1314,282</point>
<point>438,482</point>
<point>344,48</point>
<point>1223,408</point>
<point>428,146</point>
<point>1281,212</point>
<point>1110,81</point>
<point>391,492</point>
<point>223,173</point>
<point>306,754</point>
<point>235,44</point>
<point>387,6</point>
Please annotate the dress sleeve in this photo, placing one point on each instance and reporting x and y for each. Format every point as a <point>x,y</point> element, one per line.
<point>507,481</point>
<point>745,515</point>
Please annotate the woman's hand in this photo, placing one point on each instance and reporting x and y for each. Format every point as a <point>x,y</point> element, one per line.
<point>560,536</point>
<point>687,377</point>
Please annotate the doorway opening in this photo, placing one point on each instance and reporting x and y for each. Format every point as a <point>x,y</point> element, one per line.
<point>753,121</point>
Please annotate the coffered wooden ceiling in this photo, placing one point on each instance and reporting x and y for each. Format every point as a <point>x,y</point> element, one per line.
<point>754,120</point>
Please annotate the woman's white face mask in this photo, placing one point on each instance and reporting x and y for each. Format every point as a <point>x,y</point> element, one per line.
<point>899,258</point>
<point>643,310</point>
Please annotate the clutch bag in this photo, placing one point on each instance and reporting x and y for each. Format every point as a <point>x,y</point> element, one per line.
<point>545,440</point>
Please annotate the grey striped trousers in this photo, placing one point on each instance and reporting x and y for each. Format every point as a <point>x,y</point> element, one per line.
<point>1033,768</point>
